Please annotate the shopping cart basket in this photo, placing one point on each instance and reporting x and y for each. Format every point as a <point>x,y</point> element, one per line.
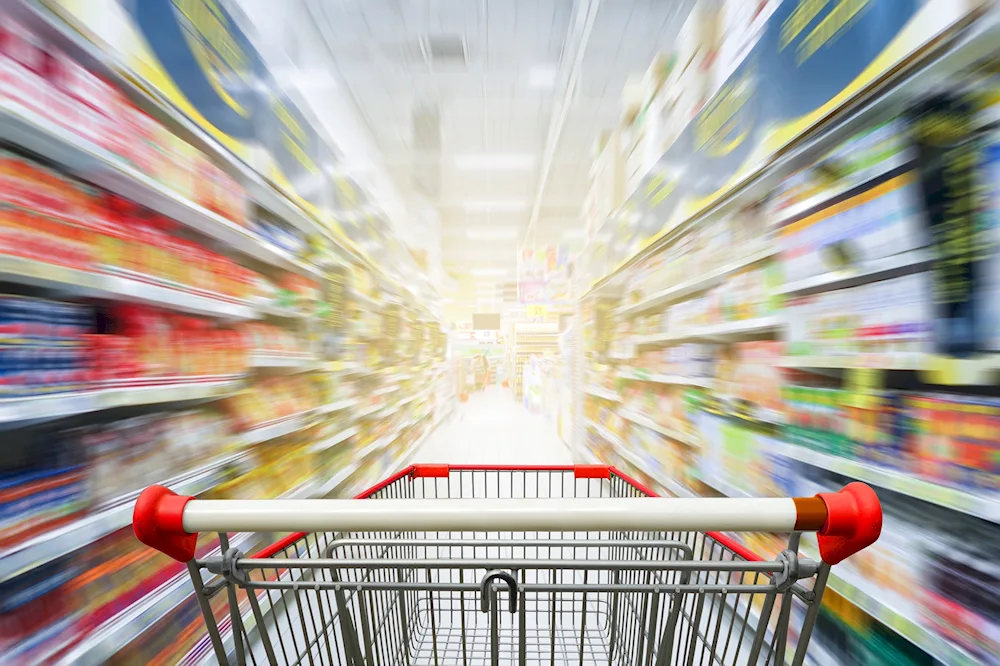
<point>545,565</point>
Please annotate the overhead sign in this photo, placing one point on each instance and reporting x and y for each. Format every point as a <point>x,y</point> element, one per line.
<point>542,275</point>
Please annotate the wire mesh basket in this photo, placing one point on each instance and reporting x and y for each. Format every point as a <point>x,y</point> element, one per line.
<point>474,566</point>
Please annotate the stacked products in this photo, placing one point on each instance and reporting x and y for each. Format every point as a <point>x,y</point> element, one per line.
<point>39,77</point>
<point>58,473</point>
<point>271,339</point>
<point>48,217</point>
<point>274,398</point>
<point>43,346</point>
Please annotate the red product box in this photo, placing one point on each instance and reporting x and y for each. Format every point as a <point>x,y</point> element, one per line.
<point>21,45</point>
<point>22,62</point>
<point>139,149</point>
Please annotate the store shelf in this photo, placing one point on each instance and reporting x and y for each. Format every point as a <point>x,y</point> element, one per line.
<point>882,269</point>
<point>980,504</point>
<point>949,56</point>
<point>696,285</point>
<point>85,284</point>
<point>843,187</point>
<point>422,395</point>
<point>98,166</point>
<point>336,439</point>
<point>639,376</point>
<point>300,362</point>
<point>59,405</point>
<point>730,330</point>
<point>603,393</point>
<point>273,310</point>
<point>110,517</point>
<point>608,436</point>
<point>647,422</point>
<point>672,486</point>
<point>370,410</point>
<point>846,362</point>
<point>635,461</point>
<point>358,297</point>
<point>860,593</point>
<point>331,407</point>
<point>865,595</point>
<point>381,442</point>
<point>946,371</point>
<point>279,428</point>
<point>94,164</point>
<point>131,623</point>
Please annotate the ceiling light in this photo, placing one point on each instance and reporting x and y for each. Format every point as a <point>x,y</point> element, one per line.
<point>495,206</point>
<point>497,161</point>
<point>542,76</point>
<point>492,233</point>
<point>489,272</point>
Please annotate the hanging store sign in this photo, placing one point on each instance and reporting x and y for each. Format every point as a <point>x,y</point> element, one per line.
<point>543,275</point>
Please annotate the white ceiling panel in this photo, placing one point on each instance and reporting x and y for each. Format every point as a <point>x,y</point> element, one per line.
<point>500,99</point>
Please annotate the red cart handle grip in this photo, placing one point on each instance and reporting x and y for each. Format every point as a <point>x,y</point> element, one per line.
<point>157,521</point>
<point>853,522</point>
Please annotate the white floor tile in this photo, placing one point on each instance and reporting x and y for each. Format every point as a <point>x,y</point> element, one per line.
<point>493,428</point>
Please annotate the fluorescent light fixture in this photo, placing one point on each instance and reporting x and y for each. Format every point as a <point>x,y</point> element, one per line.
<point>494,161</point>
<point>542,76</point>
<point>489,272</point>
<point>491,233</point>
<point>495,206</point>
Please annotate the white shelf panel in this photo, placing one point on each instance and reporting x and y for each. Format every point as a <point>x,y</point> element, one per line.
<point>299,362</point>
<point>336,439</point>
<point>844,186</point>
<point>980,504</point>
<point>679,291</point>
<point>606,434</point>
<point>656,378</point>
<point>279,428</point>
<point>881,269</point>
<point>73,282</point>
<point>603,393</point>
<point>647,422</point>
<point>59,405</point>
<point>730,330</point>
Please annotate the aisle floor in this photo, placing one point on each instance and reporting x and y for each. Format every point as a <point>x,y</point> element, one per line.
<point>494,428</point>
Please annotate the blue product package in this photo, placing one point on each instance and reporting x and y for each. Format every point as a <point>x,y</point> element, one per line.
<point>14,326</point>
<point>13,370</point>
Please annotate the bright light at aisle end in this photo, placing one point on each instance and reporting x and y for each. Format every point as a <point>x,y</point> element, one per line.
<point>495,161</point>
<point>491,233</point>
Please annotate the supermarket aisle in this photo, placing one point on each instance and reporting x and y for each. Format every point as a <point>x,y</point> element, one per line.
<point>494,429</point>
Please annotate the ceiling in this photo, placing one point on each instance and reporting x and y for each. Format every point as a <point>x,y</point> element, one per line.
<point>459,98</point>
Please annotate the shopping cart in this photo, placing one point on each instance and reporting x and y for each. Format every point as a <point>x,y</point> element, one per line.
<point>544,565</point>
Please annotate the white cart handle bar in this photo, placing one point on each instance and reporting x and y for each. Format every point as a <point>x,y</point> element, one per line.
<point>847,521</point>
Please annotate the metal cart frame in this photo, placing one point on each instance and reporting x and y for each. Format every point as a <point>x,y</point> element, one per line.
<point>507,565</point>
